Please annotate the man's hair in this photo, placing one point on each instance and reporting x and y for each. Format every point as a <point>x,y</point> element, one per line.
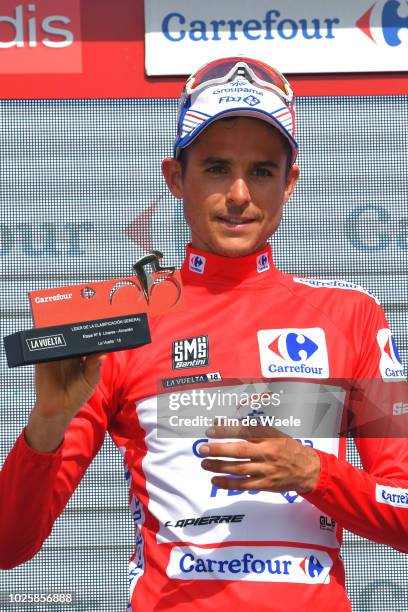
<point>288,149</point>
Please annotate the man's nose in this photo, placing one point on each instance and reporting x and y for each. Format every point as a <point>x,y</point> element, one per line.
<point>238,193</point>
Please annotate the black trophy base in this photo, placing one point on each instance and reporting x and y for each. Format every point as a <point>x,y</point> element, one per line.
<point>41,344</point>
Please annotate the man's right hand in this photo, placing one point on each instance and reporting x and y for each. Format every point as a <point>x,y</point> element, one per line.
<point>62,388</point>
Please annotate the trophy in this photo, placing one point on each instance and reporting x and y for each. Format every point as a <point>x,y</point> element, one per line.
<point>104,316</point>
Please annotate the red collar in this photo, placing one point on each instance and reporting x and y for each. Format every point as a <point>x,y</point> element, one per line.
<point>200,267</point>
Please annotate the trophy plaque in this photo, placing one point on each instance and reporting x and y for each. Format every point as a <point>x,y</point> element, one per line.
<point>104,316</point>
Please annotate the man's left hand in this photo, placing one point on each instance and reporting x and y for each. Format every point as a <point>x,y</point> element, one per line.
<point>274,463</point>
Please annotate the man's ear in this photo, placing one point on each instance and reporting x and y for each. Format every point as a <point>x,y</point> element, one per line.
<point>291,180</point>
<point>171,169</point>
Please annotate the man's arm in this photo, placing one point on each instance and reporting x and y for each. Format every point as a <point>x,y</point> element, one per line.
<point>51,455</point>
<point>372,502</point>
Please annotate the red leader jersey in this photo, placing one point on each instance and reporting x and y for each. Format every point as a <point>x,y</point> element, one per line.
<point>196,546</point>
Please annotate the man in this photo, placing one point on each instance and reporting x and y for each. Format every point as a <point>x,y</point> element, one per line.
<point>266,530</point>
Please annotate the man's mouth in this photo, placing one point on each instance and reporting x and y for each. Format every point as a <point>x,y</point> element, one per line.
<point>235,221</point>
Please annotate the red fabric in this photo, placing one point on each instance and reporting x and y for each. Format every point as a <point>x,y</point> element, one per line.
<point>229,301</point>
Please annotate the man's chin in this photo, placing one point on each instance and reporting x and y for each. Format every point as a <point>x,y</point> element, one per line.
<point>235,248</point>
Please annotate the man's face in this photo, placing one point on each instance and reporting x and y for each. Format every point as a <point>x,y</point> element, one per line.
<point>234,186</point>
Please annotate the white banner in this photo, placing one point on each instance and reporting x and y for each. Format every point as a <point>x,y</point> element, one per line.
<point>316,36</point>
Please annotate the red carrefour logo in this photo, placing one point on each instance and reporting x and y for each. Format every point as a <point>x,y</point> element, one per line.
<point>40,37</point>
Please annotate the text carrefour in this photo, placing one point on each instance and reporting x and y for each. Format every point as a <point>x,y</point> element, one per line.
<point>176,28</point>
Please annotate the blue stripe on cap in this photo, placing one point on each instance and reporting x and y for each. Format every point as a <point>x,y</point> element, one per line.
<point>182,142</point>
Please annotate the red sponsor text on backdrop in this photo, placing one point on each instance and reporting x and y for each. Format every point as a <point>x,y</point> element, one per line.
<point>40,37</point>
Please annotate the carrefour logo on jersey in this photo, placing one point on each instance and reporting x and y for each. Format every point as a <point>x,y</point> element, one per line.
<point>391,496</point>
<point>197,263</point>
<point>335,284</point>
<point>255,564</point>
<point>390,362</point>
<point>262,262</point>
<point>299,353</point>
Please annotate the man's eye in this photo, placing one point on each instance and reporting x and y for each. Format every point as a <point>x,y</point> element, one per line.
<point>216,169</point>
<point>262,172</point>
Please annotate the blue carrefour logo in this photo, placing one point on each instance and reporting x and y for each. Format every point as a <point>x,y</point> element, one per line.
<point>197,263</point>
<point>391,22</point>
<point>299,347</point>
<point>315,567</point>
<point>394,346</point>
<point>296,348</point>
<point>312,566</point>
<point>262,262</point>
